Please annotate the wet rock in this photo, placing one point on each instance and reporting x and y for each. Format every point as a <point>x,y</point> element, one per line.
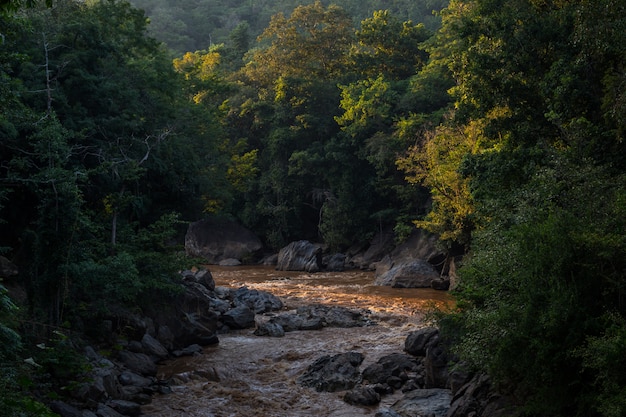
<point>153,347</point>
<point>424,402</point>
<point>218,239</point>
<point>387,413</point>
<point>270,329</point>
<point>417,341</point>
<point>378,247</point>
<point>230,262</point>
<point>257,301</point>
<point>138,362</point>
<point>165,337</point>
<point>412,274</point>
<point>333,373</point>
<point>188,351</point>
<point>441,284</point>
<point>202,276</point>
<point>288,322</point>
<point>334,316</point>
<point>300,256</point>
<point>127,408</point>
<point>239,318</point>
<point>362,396</point>
<point>391,369</point>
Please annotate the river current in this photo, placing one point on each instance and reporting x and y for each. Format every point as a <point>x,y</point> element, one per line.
<point>247,375</point>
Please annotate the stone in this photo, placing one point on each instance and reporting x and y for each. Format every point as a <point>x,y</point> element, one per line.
<point>239,318</point>
<point>230,262</point>
<point>416,273</point>
<point>417,341</point>
<point>153,347</point>
<point>333,373</point>
<point>424,402</point>
<point>362,396</point>
<point>127,408</point>
<point>300,256</point>
<point>138,362</point>
<point>436,365</point>
<point>106,411</point>
<point>395,365</point>
<point>335,263</point>
<point>270,329</point>
<point>257,301</point>
<point>216,239</point>
<point>131,378</point>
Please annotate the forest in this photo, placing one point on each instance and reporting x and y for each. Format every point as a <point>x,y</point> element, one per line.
<point>498,125</point>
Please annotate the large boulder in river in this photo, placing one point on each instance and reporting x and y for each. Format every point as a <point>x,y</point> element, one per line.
<point>333,373</point>
<point>217,240</point>
<point>412,264</point>
<point>300,256</point>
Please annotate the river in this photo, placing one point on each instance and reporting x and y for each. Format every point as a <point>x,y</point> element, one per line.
<point>247,375</point>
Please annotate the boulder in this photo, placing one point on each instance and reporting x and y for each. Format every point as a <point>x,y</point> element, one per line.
<point>201,276</point>
<point>270,329</point>
<point>478,397</point>
<point>138,362</point>
<point>424,402</point>
<point>414,264</point>
<point>219,239</point>
<point>362,396</point>
<point>335,263</point>
<point>300,256</point>
<point>396,365</point>
<point>333,373</point>
<point>436,364</point>
<point>65,410</point>
<point>127,408</point>
<point>241,317</point>
<point>416,273</point>
<point>257,301</point>
<point>418,341</point>
<point>333,316</point>
<point>153,347</point>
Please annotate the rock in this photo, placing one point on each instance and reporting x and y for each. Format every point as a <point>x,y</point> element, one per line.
<point>130,378</point>
<point>288,322</point>
<point>417,341</point>
<point>478,397</point>
<point>188,351</point>
<point>270,329</point>
<point>441,284</point>
<point>362,396</point>
<point>333,373</point>
<point>201,276</point>
<point>239,318</point>
<point>416,273</point>
<point>106,411</point>
<point>138,362</point>
<point>65,410</point>
<point>424,402</point>
<point>127,408</point>
<point>188,317</point>
<point>230,262</point>
<point>300,256</point>
<point>153,347</point>
<point>257,301</point>
<point>387,413</point>
<point>413,264</point>
<point>391,366</point>
<point>218,239</point>
<point>436,365</point>
<point>334,316</point>
<point>335,263</point>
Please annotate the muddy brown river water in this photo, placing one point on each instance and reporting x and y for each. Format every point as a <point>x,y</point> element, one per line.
<point>247,375</point>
